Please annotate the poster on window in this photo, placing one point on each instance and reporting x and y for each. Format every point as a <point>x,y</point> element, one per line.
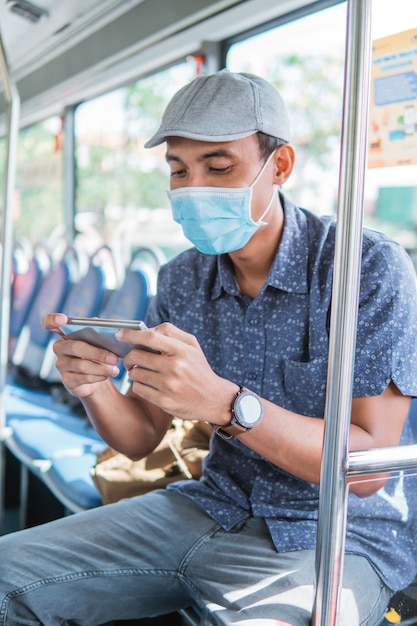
<point>393,105</point>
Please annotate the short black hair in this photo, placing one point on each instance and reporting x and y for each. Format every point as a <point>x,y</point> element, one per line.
<point>267,144</point>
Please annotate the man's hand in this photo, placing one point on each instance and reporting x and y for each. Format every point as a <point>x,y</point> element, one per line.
<point>82,367</point>
<point>176,376</point>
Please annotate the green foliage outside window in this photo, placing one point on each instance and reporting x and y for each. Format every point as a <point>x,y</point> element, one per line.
<point>39,197</point>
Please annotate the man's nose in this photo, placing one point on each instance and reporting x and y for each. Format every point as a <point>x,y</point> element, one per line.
<point>195,179</point>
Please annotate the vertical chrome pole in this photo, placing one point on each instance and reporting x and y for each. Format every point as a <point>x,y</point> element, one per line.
<point>69,175</point>
<point>345,298</point>
<point>6,234</point>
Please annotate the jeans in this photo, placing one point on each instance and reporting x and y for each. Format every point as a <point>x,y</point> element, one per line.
<point>154,554</point>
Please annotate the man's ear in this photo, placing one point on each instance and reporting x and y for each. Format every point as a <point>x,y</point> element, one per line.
<point>283,159</point>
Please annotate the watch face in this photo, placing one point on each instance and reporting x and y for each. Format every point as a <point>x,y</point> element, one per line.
<point>248,409</point>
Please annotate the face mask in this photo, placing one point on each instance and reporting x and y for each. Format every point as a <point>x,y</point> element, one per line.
<point>217,220</point>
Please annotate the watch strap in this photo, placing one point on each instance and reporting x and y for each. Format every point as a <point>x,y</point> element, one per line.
<point>227,432</point>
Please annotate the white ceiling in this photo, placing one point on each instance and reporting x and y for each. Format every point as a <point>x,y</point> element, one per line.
<point>86,47</point>
<point>26,42</point>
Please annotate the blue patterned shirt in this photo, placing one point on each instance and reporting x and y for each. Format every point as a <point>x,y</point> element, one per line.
<point>277,345</point>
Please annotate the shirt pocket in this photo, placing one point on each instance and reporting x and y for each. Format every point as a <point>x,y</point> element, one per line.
<point>304,385</point>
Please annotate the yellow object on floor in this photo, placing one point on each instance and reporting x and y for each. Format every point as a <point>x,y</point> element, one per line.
<point>392,617</point>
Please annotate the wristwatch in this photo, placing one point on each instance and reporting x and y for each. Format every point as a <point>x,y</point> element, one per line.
<point>247,412</point>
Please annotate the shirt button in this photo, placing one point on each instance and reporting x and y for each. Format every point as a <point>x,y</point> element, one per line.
<point>253,321</point>
<point>253,375</point>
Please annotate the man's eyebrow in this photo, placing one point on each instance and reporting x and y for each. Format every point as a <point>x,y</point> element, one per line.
<point>218,152</point>
<point>172,157</point>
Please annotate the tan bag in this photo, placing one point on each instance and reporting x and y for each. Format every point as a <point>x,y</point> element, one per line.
<point>179,456</point>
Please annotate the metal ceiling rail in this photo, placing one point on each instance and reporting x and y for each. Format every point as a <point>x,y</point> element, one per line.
<point>6,244</point>
<point>344,313</point>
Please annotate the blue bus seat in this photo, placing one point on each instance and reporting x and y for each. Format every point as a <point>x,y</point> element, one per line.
<point>86,295</point>
<point>132,299</point>
<point>85,299</point>
<point>33,338</point>
<point>82,296</point>
<point>50,435</point>
<point>68,476</point>
<point>37,435</point>
<point>71,482</point>
<point>46,439</point>
<point>28,276</point>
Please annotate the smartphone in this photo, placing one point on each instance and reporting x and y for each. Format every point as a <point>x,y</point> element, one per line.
<point>101,332</point>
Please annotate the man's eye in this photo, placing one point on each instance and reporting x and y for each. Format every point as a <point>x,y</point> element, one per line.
<point>177,173</point>
<point>221,170</point>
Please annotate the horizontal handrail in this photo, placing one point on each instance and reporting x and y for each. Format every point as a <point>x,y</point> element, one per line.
<point>396,458</point>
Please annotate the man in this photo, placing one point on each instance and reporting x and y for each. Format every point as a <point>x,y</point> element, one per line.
<point>239,332</point>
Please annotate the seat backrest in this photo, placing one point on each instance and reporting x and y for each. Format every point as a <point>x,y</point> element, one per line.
<point>84,299</point>
<point>130,301</point>
<point>150,259</point>
<point>33,338</point>
<point>132,298</point>
<point>28,276</point>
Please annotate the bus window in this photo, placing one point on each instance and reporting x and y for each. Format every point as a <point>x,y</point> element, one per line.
<point>305,59</point>
<point>391,189</point>
<point>308,69</point>
<point>38,210</point>
<point>121,187</point>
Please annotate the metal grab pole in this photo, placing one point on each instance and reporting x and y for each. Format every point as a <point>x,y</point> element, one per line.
<point>6,233</point>
<point>345,298</point>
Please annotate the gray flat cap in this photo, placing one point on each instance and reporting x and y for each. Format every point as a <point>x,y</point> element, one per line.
<point>222,107</point>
